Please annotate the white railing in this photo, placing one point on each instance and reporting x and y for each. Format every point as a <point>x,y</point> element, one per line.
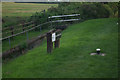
<point>64,16</point>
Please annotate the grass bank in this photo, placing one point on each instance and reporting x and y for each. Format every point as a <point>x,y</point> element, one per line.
<point>72,59</point>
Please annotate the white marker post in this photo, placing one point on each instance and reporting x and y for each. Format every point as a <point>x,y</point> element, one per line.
<point>53,37</point>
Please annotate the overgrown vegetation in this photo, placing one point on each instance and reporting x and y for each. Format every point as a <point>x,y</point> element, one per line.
<point>86,10</point>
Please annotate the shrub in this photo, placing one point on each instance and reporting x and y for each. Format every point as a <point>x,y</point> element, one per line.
<point>92,11</point>
<point>23,46</point>
<point>87,11</point>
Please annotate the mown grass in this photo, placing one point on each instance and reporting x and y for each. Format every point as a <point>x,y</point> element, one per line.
<point>16,13</point>
<point>72,59</point>
<point>23,9</point>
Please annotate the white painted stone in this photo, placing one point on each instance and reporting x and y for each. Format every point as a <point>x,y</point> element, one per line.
<point>93,53</point>
<point>101,54</point>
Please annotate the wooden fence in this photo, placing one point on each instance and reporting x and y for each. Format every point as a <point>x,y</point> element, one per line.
<point>16,51</point>
<point>18,28</point>
<point>23,31</point>
<point>25,28</point>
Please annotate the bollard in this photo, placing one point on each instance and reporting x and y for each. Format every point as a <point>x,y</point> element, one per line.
<point>98,51</point>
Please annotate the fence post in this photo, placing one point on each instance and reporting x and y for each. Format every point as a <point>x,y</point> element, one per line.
<point>40,28</point>
<point>23,26</point>
<point>51,23</point>
<point>11,28</point>
<point>57,43</point>
<point>27,35</point>
<point>58,36</point>
<point>49,42</point>
<point>44,12</point>
<point>9,42</point>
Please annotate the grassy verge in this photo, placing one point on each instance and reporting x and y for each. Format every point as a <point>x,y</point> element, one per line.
<point>72,59</point>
